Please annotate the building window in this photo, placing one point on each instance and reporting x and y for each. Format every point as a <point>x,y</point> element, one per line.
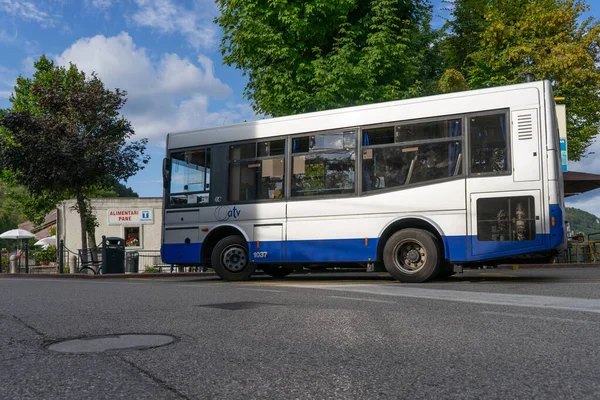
<point>323,164</point>
<point>257,171</point>
<point>132,236</point>
<point>423,152</point>
<point>506,219</point>
<point>190,177</point>
<point>489,144</point>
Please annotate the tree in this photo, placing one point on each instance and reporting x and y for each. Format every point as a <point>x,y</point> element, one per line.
<point>316,55</point>
<point>64,136</point>
<point>498,42</point>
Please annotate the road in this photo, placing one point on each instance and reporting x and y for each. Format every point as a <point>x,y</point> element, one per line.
<point>487,334</point>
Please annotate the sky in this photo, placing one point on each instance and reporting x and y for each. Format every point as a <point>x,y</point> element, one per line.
<point>165,54</point>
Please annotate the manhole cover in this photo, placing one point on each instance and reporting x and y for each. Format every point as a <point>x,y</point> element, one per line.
<point>243,305</point>
<point>98,344</point>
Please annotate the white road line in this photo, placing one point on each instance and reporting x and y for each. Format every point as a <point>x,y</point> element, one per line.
<point>264,290</point>
<point>514,300</point>
<point>362,299</point>
<point>539,317</point>
<point>199,285</point>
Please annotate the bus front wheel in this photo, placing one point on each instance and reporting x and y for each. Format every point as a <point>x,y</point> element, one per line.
<point>412,255</point>
<point>230,259</point>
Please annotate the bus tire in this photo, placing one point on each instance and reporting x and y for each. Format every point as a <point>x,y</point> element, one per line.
<point>412,256</point>
<point>277,271</point>
<point>230,259</point>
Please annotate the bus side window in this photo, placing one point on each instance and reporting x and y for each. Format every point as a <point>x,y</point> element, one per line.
<point>257,171</point>
<point>489,145</point>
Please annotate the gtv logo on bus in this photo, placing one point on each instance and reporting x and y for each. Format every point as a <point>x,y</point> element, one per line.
<point>224,213</point>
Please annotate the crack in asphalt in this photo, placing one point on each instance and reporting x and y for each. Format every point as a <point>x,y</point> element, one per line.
<point>155,379</point>
<point>37,332</point>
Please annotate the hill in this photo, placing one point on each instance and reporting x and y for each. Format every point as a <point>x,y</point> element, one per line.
<point>582,221</point>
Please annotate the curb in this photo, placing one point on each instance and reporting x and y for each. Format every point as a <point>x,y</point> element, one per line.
<point>110,276</point>
<point>545,266</point>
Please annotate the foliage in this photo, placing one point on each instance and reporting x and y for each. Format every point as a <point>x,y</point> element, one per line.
<point>121,190</point>
<point>46,255</point>
<point>64,136</point>
<point>582,221</point>
<point>498,42</point>
<point>150,269</point>
<point>452,81</point>
<point>316,54</point>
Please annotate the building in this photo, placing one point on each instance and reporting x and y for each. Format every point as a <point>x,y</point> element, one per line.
<point>134,218</point>
<point>130,218</point>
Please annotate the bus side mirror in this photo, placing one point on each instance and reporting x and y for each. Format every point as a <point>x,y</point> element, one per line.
<point>166,172</point>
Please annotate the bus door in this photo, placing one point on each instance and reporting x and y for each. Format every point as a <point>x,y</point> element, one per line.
<point>256,173</point>
<point>504,184</point>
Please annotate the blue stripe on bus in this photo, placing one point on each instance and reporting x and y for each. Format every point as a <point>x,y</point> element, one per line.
<point>356,250</point>
<point>557,232</point>
<point>336,250</point>
<point>456,247</point>
<point>181,253</point>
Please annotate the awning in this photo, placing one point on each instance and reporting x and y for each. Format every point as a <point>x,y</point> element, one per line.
<point>579,182</point>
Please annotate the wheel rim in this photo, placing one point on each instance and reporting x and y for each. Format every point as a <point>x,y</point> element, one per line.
<point>234,258</point>
<point>410,256</point>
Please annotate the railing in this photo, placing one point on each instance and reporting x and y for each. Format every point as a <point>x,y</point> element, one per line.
<point>150,261</point>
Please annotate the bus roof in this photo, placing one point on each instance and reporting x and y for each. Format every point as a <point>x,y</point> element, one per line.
<point>370,114</point>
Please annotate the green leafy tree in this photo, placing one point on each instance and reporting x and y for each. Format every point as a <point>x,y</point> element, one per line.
<point>303,56</point>
<point>498,42</point>
<point>64,136</point>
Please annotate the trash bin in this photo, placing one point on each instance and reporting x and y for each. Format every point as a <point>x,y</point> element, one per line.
<point>113,255</point>
<point>132,262</point>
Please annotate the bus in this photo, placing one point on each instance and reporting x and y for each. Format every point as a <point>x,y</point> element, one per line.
<point>420,188</point>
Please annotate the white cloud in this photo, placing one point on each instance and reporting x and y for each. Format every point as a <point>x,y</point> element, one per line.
<point>8,78</point>
<point>589,202</point>
<point>171,94</point>
<point>28,11</point>
<point>100,4</point>
<point>590,163</point>
<point>167,17</point>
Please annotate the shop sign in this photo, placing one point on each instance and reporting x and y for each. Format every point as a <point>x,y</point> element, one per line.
<point>130,216</point>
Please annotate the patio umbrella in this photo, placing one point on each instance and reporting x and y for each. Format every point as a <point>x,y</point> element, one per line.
<point>17,234</point>
<point>47,241</point>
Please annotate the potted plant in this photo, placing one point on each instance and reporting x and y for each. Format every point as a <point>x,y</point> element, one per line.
<point>45,257</point>
<point>132,242</point>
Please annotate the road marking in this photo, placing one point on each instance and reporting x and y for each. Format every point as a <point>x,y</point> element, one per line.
<point>505,299</point>
<point>497,274</point>
<point>539,317</point>
<point>361,299</point>
<point>264,290</point>
<point>199,285</point>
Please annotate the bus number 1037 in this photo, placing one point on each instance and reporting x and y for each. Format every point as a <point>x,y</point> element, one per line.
<point>260,254</point>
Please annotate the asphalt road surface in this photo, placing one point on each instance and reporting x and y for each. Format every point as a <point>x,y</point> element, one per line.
<point>489,334</point>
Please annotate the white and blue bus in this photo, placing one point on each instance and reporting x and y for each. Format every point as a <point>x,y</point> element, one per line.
<point>416,187</point>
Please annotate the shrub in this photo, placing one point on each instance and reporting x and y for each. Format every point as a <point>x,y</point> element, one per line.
<point>48,255</point>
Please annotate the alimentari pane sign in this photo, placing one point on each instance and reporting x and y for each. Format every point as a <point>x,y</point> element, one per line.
<point>127,216</point>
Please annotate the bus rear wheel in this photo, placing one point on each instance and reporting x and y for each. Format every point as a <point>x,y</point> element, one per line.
<point>277,271</point>
<point>412,255</point>
<point>230,259</point>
